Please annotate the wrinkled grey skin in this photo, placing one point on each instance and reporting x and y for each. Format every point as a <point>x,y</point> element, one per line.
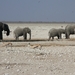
<point>22,32</point>
<point>55,32</point>
<point>69,29</point>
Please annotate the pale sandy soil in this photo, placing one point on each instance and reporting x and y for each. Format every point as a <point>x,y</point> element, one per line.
<point>45,60</point>
<point>38,58</point>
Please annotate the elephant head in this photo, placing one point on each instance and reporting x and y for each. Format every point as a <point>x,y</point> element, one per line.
<point>25,31</point>
<point>6,28</point>
<point>69,29</point>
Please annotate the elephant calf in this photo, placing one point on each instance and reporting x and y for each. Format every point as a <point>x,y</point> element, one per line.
<point>56,32</point>
<point>22,32</point>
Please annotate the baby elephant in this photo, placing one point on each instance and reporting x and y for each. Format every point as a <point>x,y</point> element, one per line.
<point>56,32</point>
<point>22,32</point>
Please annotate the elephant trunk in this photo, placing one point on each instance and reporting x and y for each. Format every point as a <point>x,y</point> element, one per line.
<point>8,32</point>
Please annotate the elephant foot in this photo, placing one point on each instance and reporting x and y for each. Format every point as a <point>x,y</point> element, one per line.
<point>25,39</point>
<point>48,39</point>
<point>52,40</point>
<point>67,38</point>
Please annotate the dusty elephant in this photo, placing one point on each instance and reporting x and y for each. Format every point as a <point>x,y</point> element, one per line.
<point>55,32</point>
<point>22,32</point>
<point>69,29</point>
<point>4,27</point>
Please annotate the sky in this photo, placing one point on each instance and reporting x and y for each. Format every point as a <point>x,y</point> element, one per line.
<point>37,10</point>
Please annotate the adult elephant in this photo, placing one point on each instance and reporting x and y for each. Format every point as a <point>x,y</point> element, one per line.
<point>69,29</point>
<point>56,32</point>
<point>4,27</point>
<point>22,32</point>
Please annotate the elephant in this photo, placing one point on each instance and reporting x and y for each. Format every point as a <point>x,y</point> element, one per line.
<point>69,29</point>
<point>22,32</point>
<point>55,32</point>
<point>4,27</point>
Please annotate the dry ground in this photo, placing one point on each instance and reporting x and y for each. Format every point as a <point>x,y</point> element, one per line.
<point>37,58</point>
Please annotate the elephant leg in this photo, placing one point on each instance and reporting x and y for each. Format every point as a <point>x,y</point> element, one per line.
<point>1,36</point>
<point>49,38</point>
<point>30,36</point>
<point>67,35</point>
<point>25,36</point>
<point>58,37</point>
<point>52,38</point>
<point>16,37</point>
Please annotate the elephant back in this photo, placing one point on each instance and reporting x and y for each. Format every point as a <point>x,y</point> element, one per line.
<point>53,30</point>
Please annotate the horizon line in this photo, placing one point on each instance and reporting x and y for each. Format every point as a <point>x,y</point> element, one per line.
<point>35,22</point>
